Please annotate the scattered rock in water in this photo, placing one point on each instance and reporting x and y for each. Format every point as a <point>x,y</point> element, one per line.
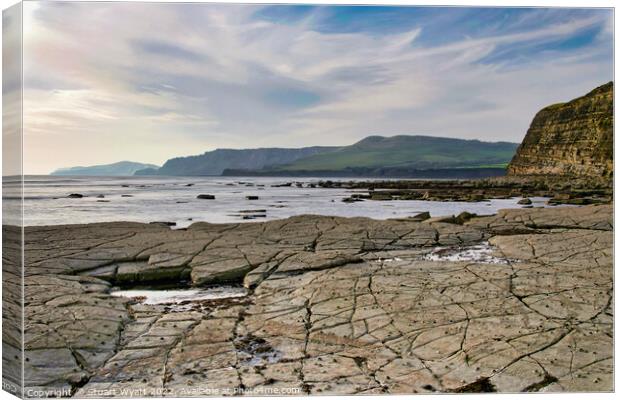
<point>351,200</point>
<point>189,185</point>
<point>288,184</point>
<point>164,223</point>
<point>252,211</point>
<point>75,196</point>
<point>103,201</point>
<point>100,196</point>
<point>254,216</point>
<point>126,195</point>
<point>205,197</point>
<point>524,201</point>
<point>251,197</point>
<point>182,202</point>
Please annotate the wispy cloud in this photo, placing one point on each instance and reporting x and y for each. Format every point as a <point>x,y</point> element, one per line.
<point>148,81</point>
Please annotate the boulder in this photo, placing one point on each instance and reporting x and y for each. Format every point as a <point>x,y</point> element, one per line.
<point>464,217</point>
<point>423,216</point>
<point>205,197</point>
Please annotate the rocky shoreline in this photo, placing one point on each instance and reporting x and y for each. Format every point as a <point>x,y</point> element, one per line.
<point>567,190</point>
<point>518,301</point>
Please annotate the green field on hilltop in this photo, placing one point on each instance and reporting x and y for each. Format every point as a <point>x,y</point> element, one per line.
<point>411,152</point>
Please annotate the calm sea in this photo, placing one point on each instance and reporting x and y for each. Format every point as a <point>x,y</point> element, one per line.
<point>173,199</point>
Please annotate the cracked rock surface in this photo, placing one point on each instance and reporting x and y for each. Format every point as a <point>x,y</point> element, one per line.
<point>335,306</point>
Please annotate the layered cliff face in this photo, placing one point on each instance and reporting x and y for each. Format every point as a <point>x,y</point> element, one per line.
<point>573,139</point>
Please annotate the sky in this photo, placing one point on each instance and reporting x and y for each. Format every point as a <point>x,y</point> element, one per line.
<point>105,82</point>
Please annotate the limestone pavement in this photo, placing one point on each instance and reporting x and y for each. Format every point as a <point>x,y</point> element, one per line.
<point>334,306</point>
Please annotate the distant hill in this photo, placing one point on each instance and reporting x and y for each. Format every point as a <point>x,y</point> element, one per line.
<point>122,168</point>
<point>418,152</point>
<point>387,154</point>
<point>216,161</point>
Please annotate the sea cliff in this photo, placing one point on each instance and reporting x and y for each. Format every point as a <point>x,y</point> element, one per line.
<point>573,139</point>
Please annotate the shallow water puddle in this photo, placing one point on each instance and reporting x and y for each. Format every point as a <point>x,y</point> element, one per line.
<point>480,253</point>
<point>176,296</point>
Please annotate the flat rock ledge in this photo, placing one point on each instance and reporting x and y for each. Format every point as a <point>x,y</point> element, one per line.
<point>335,306</point>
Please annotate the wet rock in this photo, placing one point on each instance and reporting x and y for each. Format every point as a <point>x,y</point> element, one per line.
<point>205,197</point>
<point>251,197</point>
<point>164,223</point>
<point>75,196</point>
<point>463,217</point>
<point>351,200</point>
<point>423,216</point>
<point>475,197</point>
<point>381,196</point>
<point>524,201</point>
<point>253,216</point>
